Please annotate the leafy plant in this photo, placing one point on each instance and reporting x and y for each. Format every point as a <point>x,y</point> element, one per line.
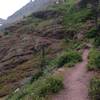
<point>97,41</point>
<point>94,60</point>
<point>95,89</point>
<point>39,89</point>
<point>92,33</point>
<point>68,57</point>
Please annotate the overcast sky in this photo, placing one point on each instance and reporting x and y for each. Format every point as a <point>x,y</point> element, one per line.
<point>8,7</point>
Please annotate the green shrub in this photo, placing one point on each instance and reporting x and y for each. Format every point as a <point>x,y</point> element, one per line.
<point>97,41</point>
<point>74,19</point>
<point>36,76</point>
<point>95,89</point>
<point>39,89</point>
<point>94,60</point>
<point>51,85</point>
<point>92,33</point>
<point>69,57</point>
<point>55,84</point>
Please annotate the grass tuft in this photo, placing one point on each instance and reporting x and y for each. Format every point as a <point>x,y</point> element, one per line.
<point>95,89</point>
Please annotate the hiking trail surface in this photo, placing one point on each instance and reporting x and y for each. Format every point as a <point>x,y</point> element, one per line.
<point>76,81</point>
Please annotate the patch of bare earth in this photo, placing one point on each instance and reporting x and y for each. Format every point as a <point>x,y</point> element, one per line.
<point>76,82</point>
<point>3,98</point>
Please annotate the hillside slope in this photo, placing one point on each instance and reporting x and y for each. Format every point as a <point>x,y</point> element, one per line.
<point>19,55</point>
<point>32,50</point>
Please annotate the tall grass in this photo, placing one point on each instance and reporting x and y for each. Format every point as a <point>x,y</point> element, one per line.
<point>94,60</point>
<point>70,58</point>
<point>39,89</point>
<point>95,89</point>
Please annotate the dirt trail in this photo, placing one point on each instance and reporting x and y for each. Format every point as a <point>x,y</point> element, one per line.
<point>76,82</point>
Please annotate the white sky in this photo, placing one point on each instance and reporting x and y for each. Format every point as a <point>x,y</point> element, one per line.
<point>8,7</point>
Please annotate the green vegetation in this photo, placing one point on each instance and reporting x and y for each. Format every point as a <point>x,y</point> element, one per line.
<point>40,86</point>
<point>26,29</point>
<point>8,80</point>
<point>74,21</point>
<point>39,89</point>
<point>95,89</point>
<point>94,60</point>
<point>31,20</point>
<point>72,17</point>
<point>97,42</point>
<point>69,58</point>
<point>68,44</point>
<point>93,34</point>
<point>28,25</point>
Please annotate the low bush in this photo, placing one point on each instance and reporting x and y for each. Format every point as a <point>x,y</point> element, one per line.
<point>95,89</point>
<point>51,84</point>
<point>94,60</point>
<point>75,19</point>
<point>36,76</point>
<point>97,41</point>
<point>69,57</point>
<point>39,89</point>
<point>92,33</point>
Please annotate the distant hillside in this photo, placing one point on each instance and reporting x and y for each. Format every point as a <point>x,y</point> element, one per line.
<point>28,9</point>
<point>32,6</point>
<point>2,21</point>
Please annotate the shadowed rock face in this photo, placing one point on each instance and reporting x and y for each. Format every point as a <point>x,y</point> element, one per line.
<point>83,3</point>
<point>46,14</point>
